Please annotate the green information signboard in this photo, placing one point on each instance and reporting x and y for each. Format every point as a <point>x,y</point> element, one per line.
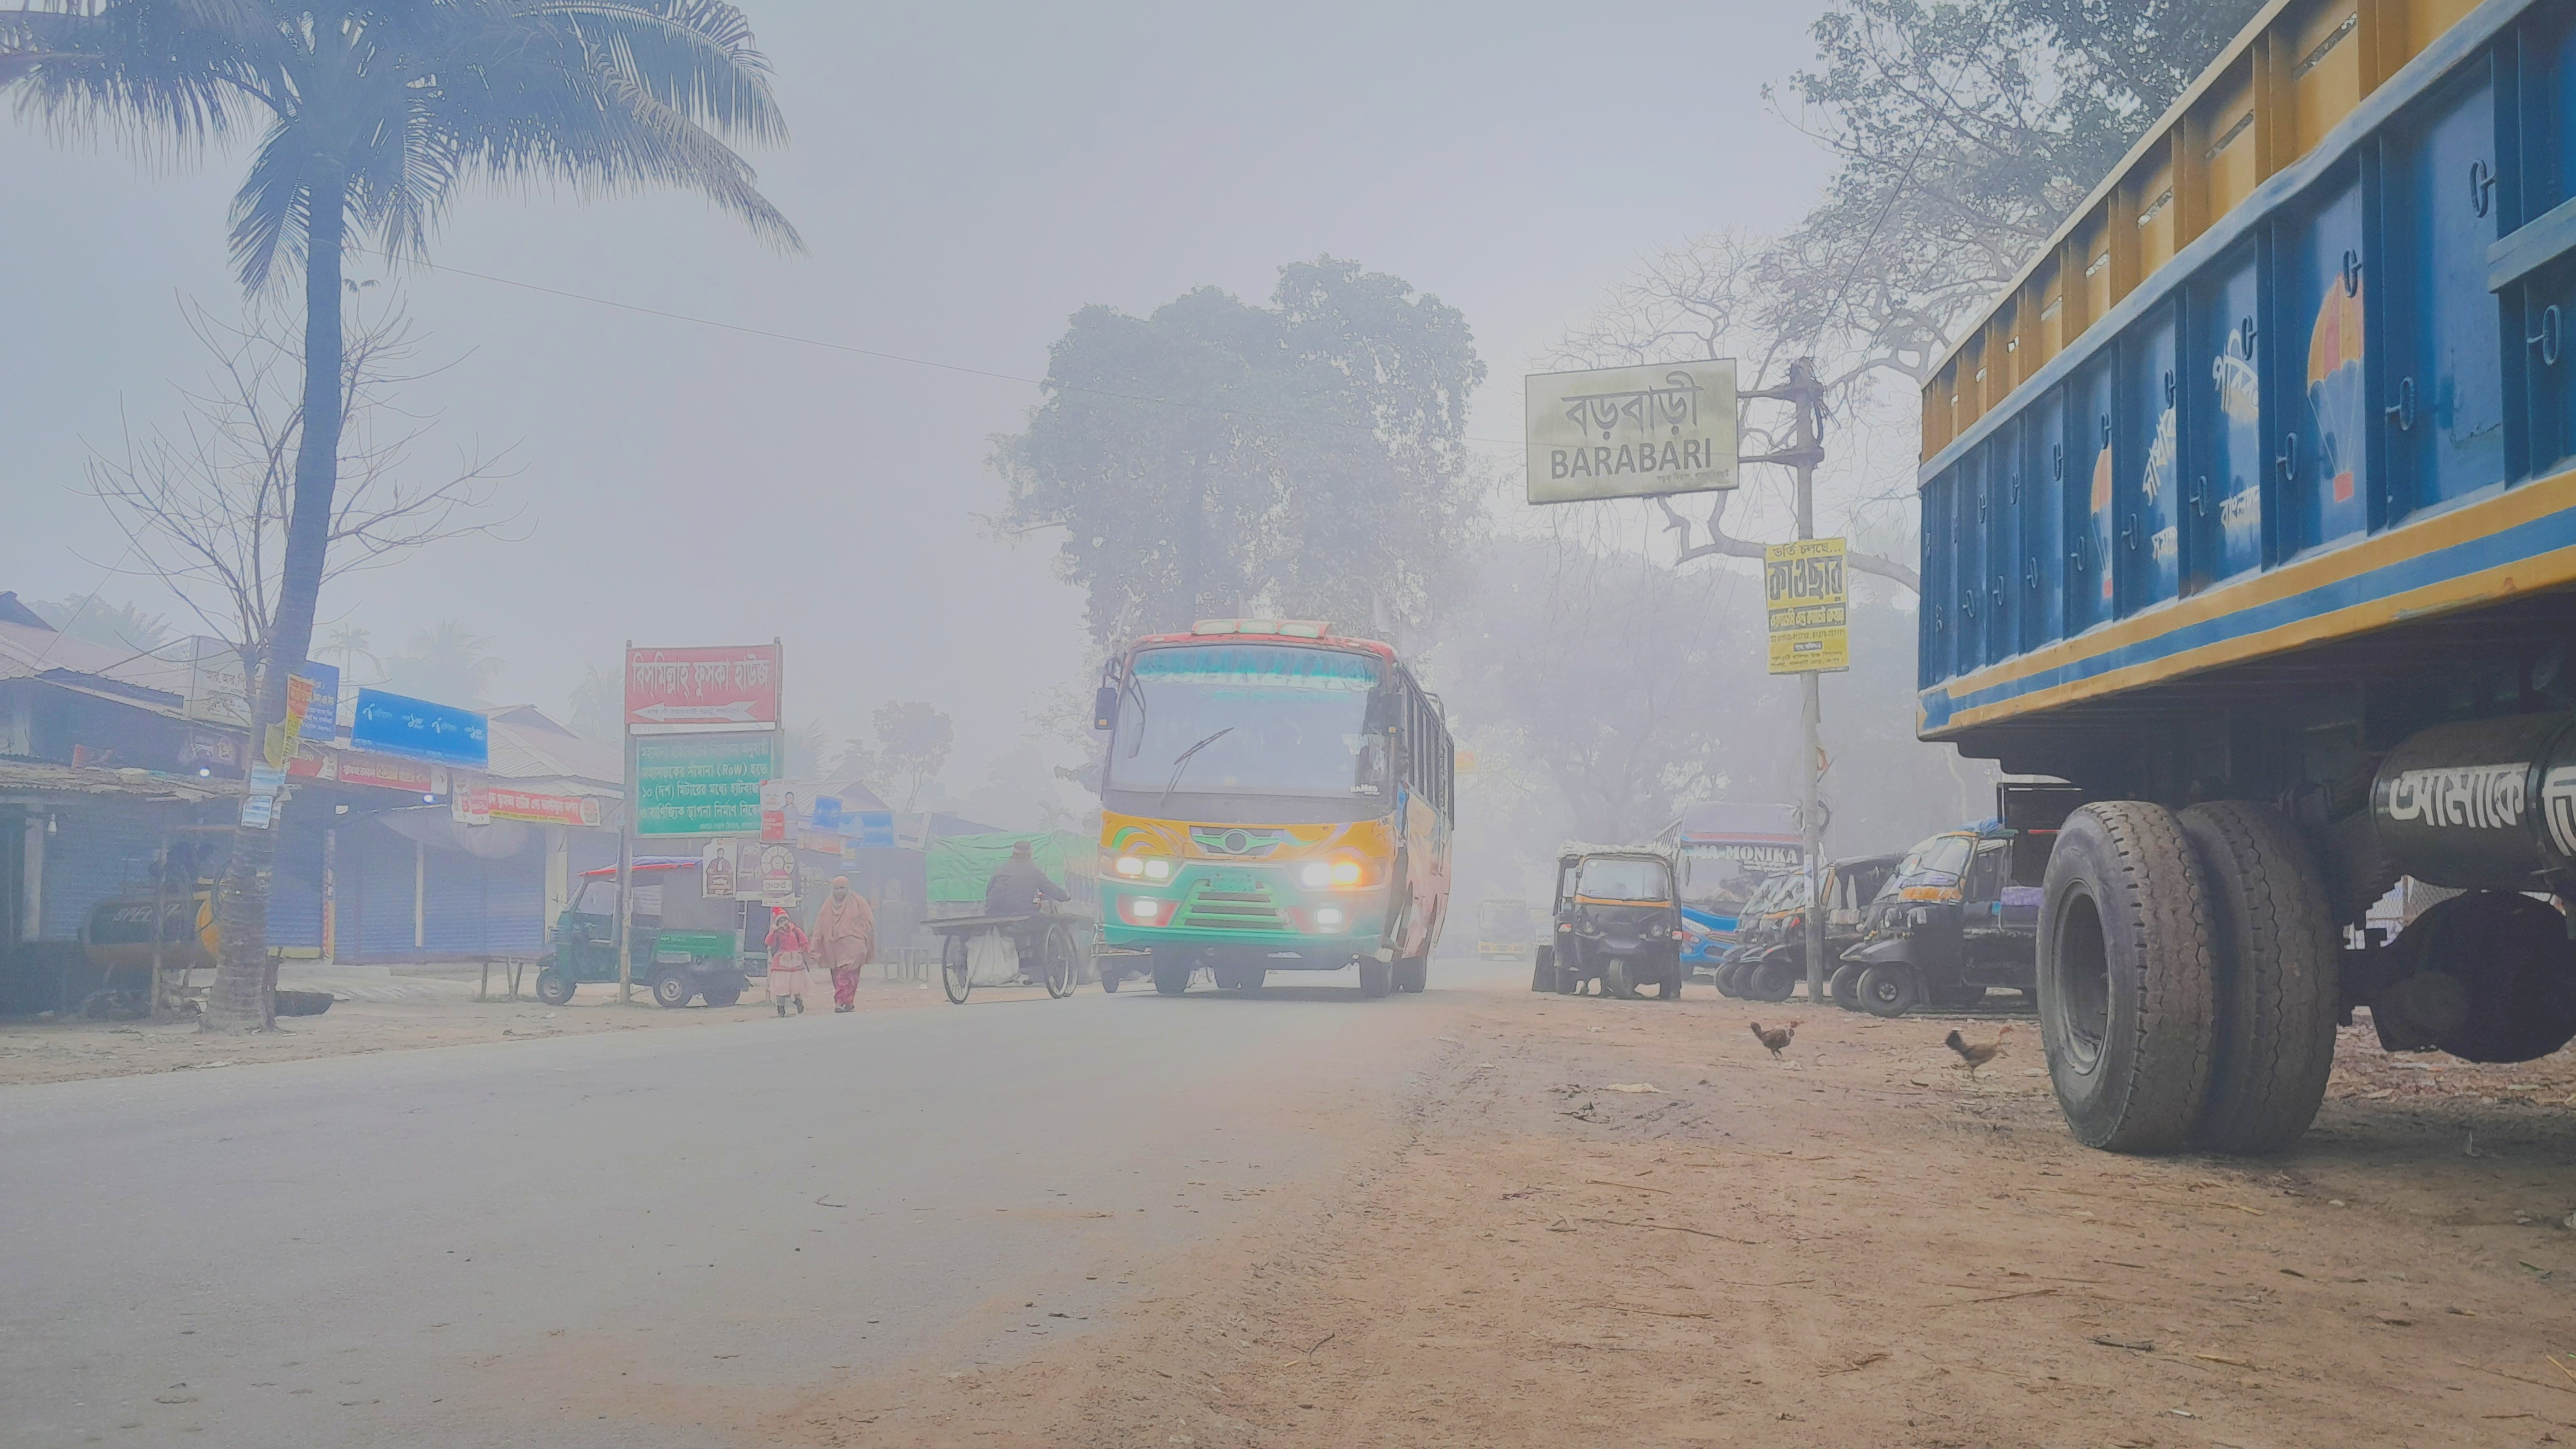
<point>700,784</point>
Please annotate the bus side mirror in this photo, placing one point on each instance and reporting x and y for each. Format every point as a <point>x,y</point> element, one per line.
<point>1104,708</point>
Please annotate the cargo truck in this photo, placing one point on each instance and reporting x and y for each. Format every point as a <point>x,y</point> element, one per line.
<point>2249,514</point>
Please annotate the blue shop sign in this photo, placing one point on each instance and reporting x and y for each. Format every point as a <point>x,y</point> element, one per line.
<point>394,724</point>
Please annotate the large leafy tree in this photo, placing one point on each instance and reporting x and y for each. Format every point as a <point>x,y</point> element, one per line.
<point>370,115</point>
<point>1304,458</point>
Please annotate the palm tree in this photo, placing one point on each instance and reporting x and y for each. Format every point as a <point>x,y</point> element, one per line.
<point>372,112</point>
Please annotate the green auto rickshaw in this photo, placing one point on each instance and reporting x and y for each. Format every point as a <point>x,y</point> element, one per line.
<point>682,944</point>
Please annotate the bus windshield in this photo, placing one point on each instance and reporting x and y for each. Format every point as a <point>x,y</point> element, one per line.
<point>1247,719</point>
<point>1724,877</point>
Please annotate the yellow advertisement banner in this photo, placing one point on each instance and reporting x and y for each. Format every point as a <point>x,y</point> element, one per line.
<point>1804,596</point>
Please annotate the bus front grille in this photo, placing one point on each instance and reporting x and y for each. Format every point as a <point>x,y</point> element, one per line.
<point>1251,910</point>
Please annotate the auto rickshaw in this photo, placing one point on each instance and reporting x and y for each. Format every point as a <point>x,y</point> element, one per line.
<point>1617,923</point>
<point>681,944</point>
<point>1948,926</point>
<point>1503,929</point>
<point>1774,960</point>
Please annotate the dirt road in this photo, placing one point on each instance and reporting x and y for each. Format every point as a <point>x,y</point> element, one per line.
<point>1625,1223</point>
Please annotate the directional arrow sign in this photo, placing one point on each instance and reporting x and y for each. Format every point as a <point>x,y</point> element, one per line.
<point>740,711</point>
<point>394,724</point>
<point>729,684</point>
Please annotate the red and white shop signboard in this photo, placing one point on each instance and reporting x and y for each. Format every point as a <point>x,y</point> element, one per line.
<point>388,773</point>
<point>726,684</point>
<point>496,802</point>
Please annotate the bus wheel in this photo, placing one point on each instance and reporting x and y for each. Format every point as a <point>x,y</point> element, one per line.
<point>1376,977</point>
<point>2126,977</point>
<point>1171,972</point>
<point>1412,974</point>
<point>2276,954</point>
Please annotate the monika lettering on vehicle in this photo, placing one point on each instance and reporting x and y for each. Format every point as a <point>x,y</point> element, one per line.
<point>1631,432</point>
<point>725,684</point>
<point>701,784</point>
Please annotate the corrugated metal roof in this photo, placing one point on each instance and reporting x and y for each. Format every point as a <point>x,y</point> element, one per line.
<point>26,651</point>
<point>22,778</point>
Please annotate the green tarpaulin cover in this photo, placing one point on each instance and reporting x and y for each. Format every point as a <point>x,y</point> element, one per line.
<point>960,866</point>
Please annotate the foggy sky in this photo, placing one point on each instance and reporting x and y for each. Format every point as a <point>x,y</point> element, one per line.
<point>966,177</point>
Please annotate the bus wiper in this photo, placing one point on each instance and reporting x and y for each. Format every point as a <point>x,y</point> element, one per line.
<point>1183,763</point>
<point>1127,685</point>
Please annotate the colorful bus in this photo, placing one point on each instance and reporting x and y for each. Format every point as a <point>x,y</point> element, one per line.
<point>1274,798</point>
<point>1727,852</point>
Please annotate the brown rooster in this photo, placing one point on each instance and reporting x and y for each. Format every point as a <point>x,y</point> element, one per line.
<point>1777,1038</point>
<point>1976,1054</point>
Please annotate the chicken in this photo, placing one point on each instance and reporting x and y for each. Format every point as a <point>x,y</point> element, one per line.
<point>1777,1038</point>
<point>1976,1054</point>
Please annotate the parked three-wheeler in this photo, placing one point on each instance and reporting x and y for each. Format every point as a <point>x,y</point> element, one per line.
<point>681,944</point>
<point>1617,923</point>
<point>1946,928</point>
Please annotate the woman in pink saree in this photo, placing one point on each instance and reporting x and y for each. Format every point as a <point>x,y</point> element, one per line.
<point>787,948</point>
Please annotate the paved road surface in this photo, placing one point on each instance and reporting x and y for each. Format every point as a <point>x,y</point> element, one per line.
<point>645,1239</point>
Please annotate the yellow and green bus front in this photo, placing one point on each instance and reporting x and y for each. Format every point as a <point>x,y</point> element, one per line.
<point>1272,800</point>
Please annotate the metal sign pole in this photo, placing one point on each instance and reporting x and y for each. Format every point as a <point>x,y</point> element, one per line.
<point>1808,443</point>
<point>626,850</point>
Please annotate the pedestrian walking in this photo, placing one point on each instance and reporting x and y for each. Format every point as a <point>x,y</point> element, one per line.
<point>845,936</point>
<point>787,947</point>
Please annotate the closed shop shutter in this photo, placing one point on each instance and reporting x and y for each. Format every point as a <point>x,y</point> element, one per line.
<point>295,879</point>
<point>382,872</point>
<point>515,893</point>
<point>97,850</point>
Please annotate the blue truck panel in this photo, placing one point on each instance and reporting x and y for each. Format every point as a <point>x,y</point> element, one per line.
<point>2343,409</point>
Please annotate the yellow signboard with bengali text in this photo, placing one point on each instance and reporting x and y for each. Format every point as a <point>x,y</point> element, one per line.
<point>1804,594</point>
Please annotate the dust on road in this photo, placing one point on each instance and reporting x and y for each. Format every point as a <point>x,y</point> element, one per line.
<point>1858,1244</point>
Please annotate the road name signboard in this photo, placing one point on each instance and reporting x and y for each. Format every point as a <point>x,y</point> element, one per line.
<point>1631,432</point>
<point>1804,592</point>
<point>701,784</point>
<point>417,729</point>
<point>727,684</point>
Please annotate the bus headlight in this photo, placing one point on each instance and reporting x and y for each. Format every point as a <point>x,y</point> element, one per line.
<point>1315,875</point>
<point>1327,918</point>
<point>1129,865</point>
<point>1158,869</point>
<point>1147,867</point>
<point>1145,909</point>
<point>1346,872</point>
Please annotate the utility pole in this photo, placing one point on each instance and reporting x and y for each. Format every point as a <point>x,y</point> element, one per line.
<point>1807,449</point>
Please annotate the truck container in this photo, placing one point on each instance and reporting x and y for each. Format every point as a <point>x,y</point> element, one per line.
<point>2246,514</point>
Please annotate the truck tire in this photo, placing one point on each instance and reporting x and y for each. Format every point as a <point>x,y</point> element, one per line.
<point>1172,972</point>
<point>1775,980</point>
<point>1543,969</point>
<point>555,987</point>
<point>1890,988</point>
<point>1412,974</point>
<point>1844,986</point>
<point>2276,991</point>
<point>1376,977</point>
<point>2126,978</point>
<point>672,988</point>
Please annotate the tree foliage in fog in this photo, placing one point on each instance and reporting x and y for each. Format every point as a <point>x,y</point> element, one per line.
<point>908,744</point>
<point>1614,687</point>
<point>1966,130</point>
<point>1217,458</point>
<point>94,620</point>
<point>447,662</point>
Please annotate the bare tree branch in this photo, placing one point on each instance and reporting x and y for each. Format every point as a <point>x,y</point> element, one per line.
<point>206,502</point>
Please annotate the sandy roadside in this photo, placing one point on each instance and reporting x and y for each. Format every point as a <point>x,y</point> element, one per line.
<point>1856,1245</point>
<point>378,1011</point>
